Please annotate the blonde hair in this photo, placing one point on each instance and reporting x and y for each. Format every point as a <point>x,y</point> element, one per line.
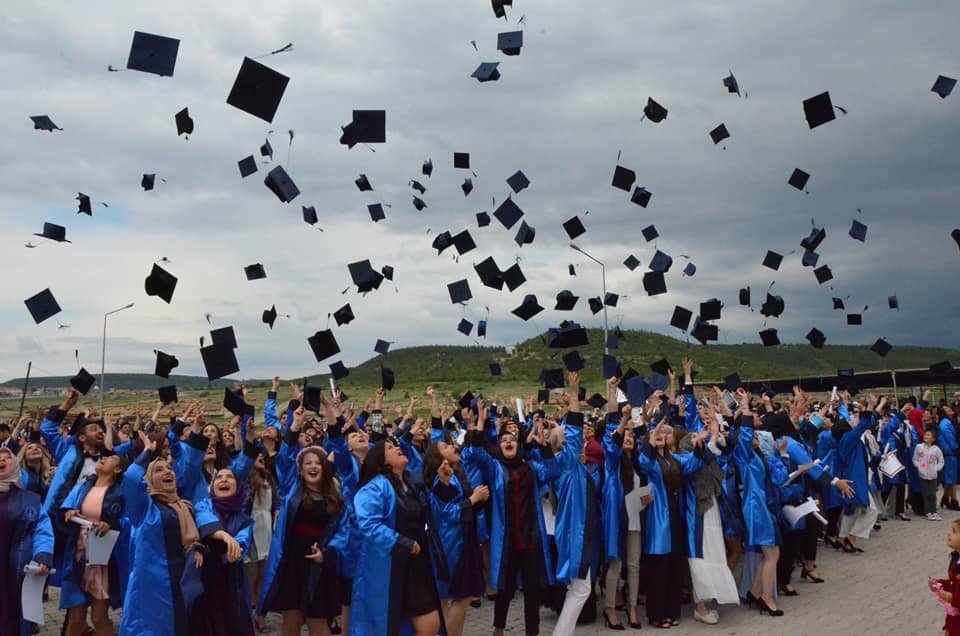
<point>46,461</point>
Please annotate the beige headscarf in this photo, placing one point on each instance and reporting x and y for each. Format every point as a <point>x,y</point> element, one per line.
<point>189,535</point>
<point>11,479</point>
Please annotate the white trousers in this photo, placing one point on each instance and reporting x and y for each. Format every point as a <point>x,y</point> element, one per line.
<point>577,594</point>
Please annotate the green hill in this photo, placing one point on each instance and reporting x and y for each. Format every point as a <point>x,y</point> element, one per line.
<point>126,381</point>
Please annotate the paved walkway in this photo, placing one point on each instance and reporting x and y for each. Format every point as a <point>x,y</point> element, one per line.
<point>880,592</point>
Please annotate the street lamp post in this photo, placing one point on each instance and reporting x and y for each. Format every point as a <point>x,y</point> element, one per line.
<point>103,351</point>
<point>603,281</point>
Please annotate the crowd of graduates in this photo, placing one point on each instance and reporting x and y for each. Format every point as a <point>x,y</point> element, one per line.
<point>376,521</point>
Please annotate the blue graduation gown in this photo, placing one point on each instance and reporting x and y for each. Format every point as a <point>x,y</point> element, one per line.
<point>454,520</point>
<point>31,539</point>
<point>894,438</point>
<point>760,477</point>
<point>657,530</point>
<point>578,530</point>
<point>612,508</point>
<point>348,470</point>
<point>826,453</point>
<point>850,461</point>
<point>947,441</point>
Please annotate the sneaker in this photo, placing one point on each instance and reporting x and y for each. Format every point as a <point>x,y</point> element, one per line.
<point>710,618</point>
<point>931,516</point>
<point>937,517</point>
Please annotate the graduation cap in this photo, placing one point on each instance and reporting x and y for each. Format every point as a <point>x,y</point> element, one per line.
<point>809,258</point>
<point>710,309</point>
<point>568,335</point>
<point>184,122</point>
<point>495,369</point>
<point>525,234</point>
<point>731,83</point>
<point>508,213</point>
<point>83,205</point>
<point>566,301</point>
<point>595,305</point>
<point>461,160</point>
<point>631,262</point>
<point>167,394</point>
<point>427,168</point>
<point>442,241</point>
<point>54,232</point>
<point>893,303</point>
<point>552,378</point>
<point>641,196</point>
<point>704,332</point>
<point>818,110</point>
<point>255,271</point>
<point>649,233</point>
<point>310,215</point>
<point>344,315</point>
<point>338,370</point>
<point>513,277</point>
<point>681,318</point>
<point>366,127</point>
<point>611,367</point>
<point>510,42</point>
<point>838,303</point>
<point>419,187</point>
<point>459,291</point>
<point>661,366</point>
<point>654,111</point>
<point>719,133</point>
<point>311,399</point>
<point>769,337</point>
<point>772,306</point>
<point>661,262</point>
<point>744,296</point>
<point>798,179</point>
<point>381,346</point>
<point>364,276</point>
<point>153,54</point>
<point>597,401</point>
<point>224,336</point>
<point>467,186</point>
<point>772,260</point>
<point>518,181</point>
<point>147,182</point>
<point>943,86</point>
<point>419,203</point>
<point>654,283</point>
<point>160,283</point>
<point>823,274</point>
<point>623,178</point>
<point>858,231</point>
<point>481,328</point>
<point>955,235</point>
<point>165,364</point>
<point>689,269</point>
<point>489,273</point>
<point>483,219</point>
<point>83,381</point>
<point>572,271</point>
<point>387,272</point>
<point>247,166</point>
<point>219,361</point>
<point>486,72</point>
<point>815,238</point>
<point>610,299</point>
<point>732,382</point>
<point>257,89</point>
<point>816,338</point>
<point>234,402</point>
<point>376,212</point>
<point>940,368</point>
<point>280,183</point>
<point>323,344</point>
<point>363,183</point>
<point>638,390</point>
<point>43,122</point>
<point>42,306</point>
<point>574,227</point>
<point>387,379</point>
<point>269,316</point>
<point>854,320</point>
<point>528,308</point>
<point>881,347</point>
<point>463,242</point>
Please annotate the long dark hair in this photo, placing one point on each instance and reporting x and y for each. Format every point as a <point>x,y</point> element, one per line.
<point>432,459</point>
<point>375,463</point>
<point>329,489</point>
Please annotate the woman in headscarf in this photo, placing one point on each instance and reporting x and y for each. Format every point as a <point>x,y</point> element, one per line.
<point>25,534</point>
<point>167,535</point>
<point>99,501</point>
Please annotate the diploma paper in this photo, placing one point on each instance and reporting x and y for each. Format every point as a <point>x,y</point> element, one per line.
<point>100,548</point>
<point>31,594</point>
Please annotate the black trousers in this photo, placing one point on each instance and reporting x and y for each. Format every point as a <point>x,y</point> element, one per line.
<point>916,503</point>
<point>527,563</point>
<point>796,545</point>
<point>833,521</point>
<point>665,571</point>
<point>899,490</point>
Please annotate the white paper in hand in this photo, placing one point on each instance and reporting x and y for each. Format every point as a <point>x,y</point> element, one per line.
<point>31,594</point>
<point>100,548</point>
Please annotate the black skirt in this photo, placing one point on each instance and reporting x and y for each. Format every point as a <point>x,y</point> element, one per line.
<point>312,588</point>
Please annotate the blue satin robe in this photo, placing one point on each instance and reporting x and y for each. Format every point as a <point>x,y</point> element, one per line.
<point>578,531</point>
<point>760,478</point>
<point>851,462</point>
<point>612,507</point>
<point>947,441</point>
<point>657,531</point>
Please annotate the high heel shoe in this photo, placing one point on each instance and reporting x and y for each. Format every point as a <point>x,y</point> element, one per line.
<point>785,592</point>
<point>750,598</point>
<point>615,627</point>
<point>832,542</point>
<point>766,608</point>
<point>849,547</point>
<point>811,576</point>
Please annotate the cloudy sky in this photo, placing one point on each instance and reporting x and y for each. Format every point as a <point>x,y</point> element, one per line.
<point>561,112</point>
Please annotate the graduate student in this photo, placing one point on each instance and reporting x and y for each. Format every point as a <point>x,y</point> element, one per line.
<point>852,463</point>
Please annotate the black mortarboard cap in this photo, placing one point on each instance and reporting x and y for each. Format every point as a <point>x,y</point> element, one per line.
<point>744,296</point>
<point>495,369</point>
<point>525,234</point>
<point>681,318</point>
<point>654,111</point>
<point>338,370</point>
<point>816,338</point>
<point>255,271</point>
<point>893,303</point>
<point>367,127</point>
<point>219,361</point>
<point>466,400</point>
<point>344,315</point>
<point>543,396</point>
<point>167,394</point>
<point>419,187</point>
<point>419,203</point>
<point>459,291</point>
<point>574,227</point>
<point>569,334</point>
<point>813,241</point>
<point>610,299</point>
<point>552,378</point>
<point>772,260</point>
<point>731,83</point>
<point>257,89</point>
<point>310,215</point>
<point>486,72</point>
<point>611,367</point>
<point>798,179</point>
<point>710,309</point>
<point>427,168</point>
<point>83,204</point>
<point>323,344</point>
<point>513,277</point>
<point>719,133</point>
<point>269,316</point>
<point>387,271</point>
<point>463,242</point>
<point>572,271</point>
<point>854,320</point>
<point>769,337</point>
<point>160,283</point>
<point>363,183</point>
<point>623,178</point>
<point>147,181</point>
<point>224,336</point>
<point>489,273</point>
<point>732,382</point>
<point>631,262</point>
<point>165,364</point>
<point>481,328</point>
<point>153,54</point>
<point>54,232</point>
<point>649,233</point>
<point>704,332</point>
<point>528,308</point>
<point>42,306</point>
<point>661,366</point>
<point>597,401</point>
<point>387,378</point>
<point>467,186</point>
<point>943,86</point>
<point>838,303</point>
<point>661,262</point>
<point>376,212</point>
<point>43,122</point>
<point>184,122</point>
<point>858,231</point>
<point>518,181</point>
<point>83,381</point>
<point>689,269</point>
<point>641,196</point>
<point>483,219</point>
<point>654,283</point>
<point>823,274</point>
<point>281,184</point>
<point>510,42</point>
<point>818,110</point>
<point>772,306</point>
<point>364,276</point>
<point>595,305</point>
<point>939,368</point>
<point>381,346</point>
<point>311,398</point>
<point>809,258</point>
<point>566,301</point>
<point>881,347</point>
<point>461,160</point>
<point>247,166</point>
<point>508,213</point>
<point>234,402</point>
<point>442,241</point>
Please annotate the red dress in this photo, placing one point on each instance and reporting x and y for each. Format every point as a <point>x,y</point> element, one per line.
<point>952,584</point>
